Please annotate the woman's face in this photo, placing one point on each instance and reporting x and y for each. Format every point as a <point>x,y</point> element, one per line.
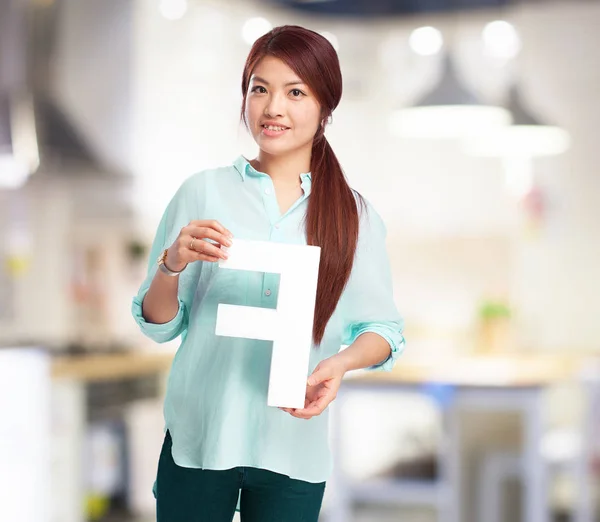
<point>282,113</point>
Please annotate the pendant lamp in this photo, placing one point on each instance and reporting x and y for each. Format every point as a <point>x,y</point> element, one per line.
<point>448,111</point>
<point>528,136</point>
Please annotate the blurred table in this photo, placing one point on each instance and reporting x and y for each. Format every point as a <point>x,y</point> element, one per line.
<point>515,382</point>
<point>512,382</point>
<point>71,375</point>
<point>110,366</point>
<point>484,371</point>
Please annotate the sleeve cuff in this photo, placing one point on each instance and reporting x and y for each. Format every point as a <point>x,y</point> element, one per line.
<point>392,334</point>
<point>160,333</point>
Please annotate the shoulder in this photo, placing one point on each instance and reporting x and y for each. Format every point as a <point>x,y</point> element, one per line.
<point>370,220</point>
<point>207,179</point>
<point>204,177</point>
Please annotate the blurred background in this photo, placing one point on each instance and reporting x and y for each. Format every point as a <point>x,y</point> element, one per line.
<point>472,127</point>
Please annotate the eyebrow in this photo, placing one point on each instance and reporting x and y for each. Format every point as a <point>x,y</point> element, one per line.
<point>262,80</point>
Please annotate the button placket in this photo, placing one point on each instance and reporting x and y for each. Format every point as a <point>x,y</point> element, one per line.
<point>270,202</point>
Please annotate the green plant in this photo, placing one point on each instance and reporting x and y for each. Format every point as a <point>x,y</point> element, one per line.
<point>136,250</point>
<point>494,310</point>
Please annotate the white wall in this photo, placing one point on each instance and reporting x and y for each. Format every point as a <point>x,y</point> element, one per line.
<point>39,309</point>
<point>558,276</point>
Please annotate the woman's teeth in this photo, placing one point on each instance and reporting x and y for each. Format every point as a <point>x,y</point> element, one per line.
<point>270,127</point>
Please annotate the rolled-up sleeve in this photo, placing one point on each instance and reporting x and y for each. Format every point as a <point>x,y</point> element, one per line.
<point>175,217</point>
<point>160,333</point>
<point>368,299</point>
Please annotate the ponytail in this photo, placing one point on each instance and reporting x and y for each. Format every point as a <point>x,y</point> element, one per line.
<point>332,223</point>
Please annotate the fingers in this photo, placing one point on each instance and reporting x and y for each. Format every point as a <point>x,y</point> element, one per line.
<point>204,248</point>
<point>294,413</point>
<point>302,414</point>
<point>204,257</point>
<point>211,229</point>
<point>310,410</point>
<point>210,235</point>
<point>314,404</point>
<point>315,408</point>
<point>202,240</point>
<point>206,233</point>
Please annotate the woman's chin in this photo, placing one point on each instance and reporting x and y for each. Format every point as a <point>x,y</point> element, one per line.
<point>274,149</point>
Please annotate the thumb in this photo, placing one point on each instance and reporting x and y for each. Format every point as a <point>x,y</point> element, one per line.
<point>318,376</point>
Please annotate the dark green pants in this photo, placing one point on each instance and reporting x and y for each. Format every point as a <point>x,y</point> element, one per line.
<point>204,495</point>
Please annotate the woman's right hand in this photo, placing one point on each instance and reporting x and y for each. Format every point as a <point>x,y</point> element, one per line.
<point>190,245</point>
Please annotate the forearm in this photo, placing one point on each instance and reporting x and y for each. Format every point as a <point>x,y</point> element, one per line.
<point>160,303</point>
<point>367,350</point>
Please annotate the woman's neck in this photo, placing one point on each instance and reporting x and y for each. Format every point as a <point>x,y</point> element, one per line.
<point>284,170</point>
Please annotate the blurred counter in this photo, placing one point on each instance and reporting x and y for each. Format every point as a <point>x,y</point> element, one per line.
<point>478,370</point>
<point>80,381</point>
<point>106,413</point>
<point>107,367</point>
<point>486,371</point>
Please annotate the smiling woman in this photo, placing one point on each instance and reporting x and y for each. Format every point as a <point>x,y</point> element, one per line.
<point>268,101</point>
<point>223,443</point>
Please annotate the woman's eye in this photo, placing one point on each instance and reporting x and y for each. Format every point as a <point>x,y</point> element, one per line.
<point>256,89</point>
<point>297,93</point>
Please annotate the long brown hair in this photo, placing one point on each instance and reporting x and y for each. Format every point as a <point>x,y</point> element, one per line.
<point>332,219</point>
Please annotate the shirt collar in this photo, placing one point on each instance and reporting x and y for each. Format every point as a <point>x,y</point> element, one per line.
<point>242,165</point>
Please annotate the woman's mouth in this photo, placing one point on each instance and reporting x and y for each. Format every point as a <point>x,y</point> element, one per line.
<point>273,131</point>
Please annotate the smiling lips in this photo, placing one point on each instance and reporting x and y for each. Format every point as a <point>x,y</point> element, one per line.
<point>274,127</point>
<point>272,130</point>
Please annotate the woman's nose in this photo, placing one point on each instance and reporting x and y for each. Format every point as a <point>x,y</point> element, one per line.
<point>275,107</point>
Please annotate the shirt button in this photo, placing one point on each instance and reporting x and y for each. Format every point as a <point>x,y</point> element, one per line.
<point>267,293</point>
<point>276,226</point>
<point>267,191</point>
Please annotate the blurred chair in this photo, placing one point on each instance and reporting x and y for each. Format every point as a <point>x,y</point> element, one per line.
<point>565,450</point>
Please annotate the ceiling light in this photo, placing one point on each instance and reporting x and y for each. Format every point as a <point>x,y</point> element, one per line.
<point>426,41</point>
<point>173,9</point>
<point>527,136</point>
<point>448,111</point>
<point>501,40</point>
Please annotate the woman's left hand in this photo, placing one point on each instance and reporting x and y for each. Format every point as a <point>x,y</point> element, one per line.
<point>321,389</point>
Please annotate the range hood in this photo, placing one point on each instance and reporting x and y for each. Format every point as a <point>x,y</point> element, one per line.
<point>34,131</point>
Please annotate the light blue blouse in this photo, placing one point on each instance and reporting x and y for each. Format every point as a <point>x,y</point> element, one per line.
<point>216,401</point>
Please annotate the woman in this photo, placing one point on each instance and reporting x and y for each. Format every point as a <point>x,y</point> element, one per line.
<point>223,444</point>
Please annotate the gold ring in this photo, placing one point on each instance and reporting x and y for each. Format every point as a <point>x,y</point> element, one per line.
<point>192,243</point>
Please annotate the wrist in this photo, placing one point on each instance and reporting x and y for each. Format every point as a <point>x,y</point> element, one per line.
<point>167,266</point>
<point>341,361</point>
